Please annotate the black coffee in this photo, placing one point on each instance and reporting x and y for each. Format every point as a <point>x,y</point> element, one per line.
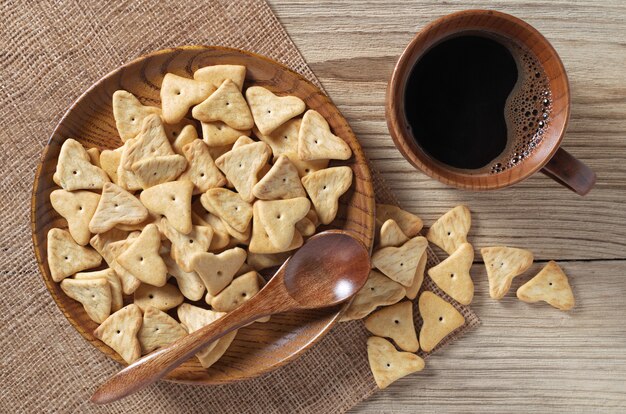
<point>477,103</point>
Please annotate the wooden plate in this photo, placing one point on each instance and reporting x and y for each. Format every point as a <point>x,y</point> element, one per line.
<point>260,347</point>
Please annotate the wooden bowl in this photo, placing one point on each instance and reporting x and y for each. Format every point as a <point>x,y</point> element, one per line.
<point>260,347</point>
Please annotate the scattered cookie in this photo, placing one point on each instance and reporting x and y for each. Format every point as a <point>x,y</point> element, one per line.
<point>503,264</point>
<point>202,171</point>
<point>270,111</point>
<point>109,162</point>
<point>65,257</point>
<point>163,298</point>
<point>129,114</point>
<point>283,139</point>
<point>261,241</point>
<point>391,235</point>
<point>158,330</point>
<point>450,230</point>
<point>549,285</point>
<point>217,270</point>
<point>239,291</point>
<point>116,206</point>
<point>378,290</point>
<point>218,134</point>
<point>178,94</point>
<point>409,223</point>
<point>194,318</point>
<point>151,142</point>
<point>93,294</point>
<point>184,246</point>
<point>400,263</point>
<point>241,166</point>
<point>189,283</point>
<point>279,218</point>
<point>119,331</point>
<point>280,182</point>
<point>104,244</point>
<point>75,170</point>
<point>388,364</point>
<point>186,136</point>
<point>77,208</point>
<point>173,200</point>
<point>243,140</point>
<point>453,274</point>
<point>395,322</point>
<point>211,357</point>
<point>159,169</point>
<point>217,74</point>
<point>418,279</point>
<point>305,227</point>
<point>117,301</point>
<point>316,142</point>
<point>228,206</point>
<point>227,105</point>
<point>325,187</point>
<point>142,257</point>
<point>440,319</point>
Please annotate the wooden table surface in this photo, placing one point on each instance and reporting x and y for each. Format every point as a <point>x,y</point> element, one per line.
<point>524,357</point>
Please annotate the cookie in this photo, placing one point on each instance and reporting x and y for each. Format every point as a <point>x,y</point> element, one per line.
<point>159,169</point>
<point>218,134</point>
<point>239,291</point>
<point>228,206</point>
<point>388,364</point>
<point>453,274</point>
<point>305,167</point>
<point>259,261</point>
<point>158,330</point>
<point>116,206</point>
<point>172,200</point>
<point>400,263</point>
<point>129,114</point>
<point>75,170</point>
<point>450,230</point>
<point>217,74</point>
<point>283,139</point>
<point>418,279</point>
<point>439,320</point>
<point>115,285</point>
<point>270,111</point>
<point>395,322</point>
<point>202,171</point>
<point>549,285</point>
<point>217,270</point>
<point>184,246</point>
<point>163,298</point>
<point>186,136</point>
<point>324,187</point>
<point>241,166</point>
<point>178,94</point>
<point>226,105</point>
<point>93,294</point>
<point>279,218</point>
<point>503,264</point>
<point>317,142</point>
<point>77,208</point>
<point>280,183</point>
<point>391,235</point>
<point>409,223</point>
<point>194,318</point>
<point>109,162</point>
<point>261,241</point>
<point>141,258</point>
<point>119,331</point>
<point>65,257</point>
<point>189,283</point>
<point>378,290</point>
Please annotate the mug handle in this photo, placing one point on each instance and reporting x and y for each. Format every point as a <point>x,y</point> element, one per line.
<point>570,172</point>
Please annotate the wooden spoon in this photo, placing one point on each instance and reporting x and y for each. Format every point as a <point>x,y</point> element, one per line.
<point>328,270</point>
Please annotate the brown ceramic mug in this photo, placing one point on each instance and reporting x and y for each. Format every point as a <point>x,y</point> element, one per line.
<point>547,156</point>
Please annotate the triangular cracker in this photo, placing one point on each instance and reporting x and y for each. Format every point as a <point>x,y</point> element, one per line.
<point>400,263</point>
<point>116,206</point>
<point>418,279</point>
<point>110,244</point>
<point>283,139</point>
<point>142,258</point>
<point>109,162</point>
<point>239,291</point>
<point>217,74</point>
<point>158,330</point>
<point>221,237</point>
<point>450,230</point>
<point>241,166</point>
<point>189,283</point>
<point>261,242</point>
<point>306,227</point>
<point>316,142</point>
<point>325,187</point>
<point>378,290</point>
<point>194,318</point>
<point>117,301</point>
<point>271,111</point>
<point>65,257</point>
<point>391,234</point>
<point>305,167</point>
<point>228,206</point>
<point>388,364</point>
<point>549,285</point>
<point>163,298</point>
<point>119,331</point>
<point>172,200</point>
<point>158,170</point>
<point>218,134</point>
<point>453,274</point>
<point>125,176</point>
<point>409,223</point>
<point>186,136</point>
<point>184,246</point>
<point>279,218</point>
<point>151,142</point>
<point>503,264</point>
<point>94,294</point>
<point>77,208</point>
<point>280,182</point>
<point>217,270</point>
<point>129,114</point>
<point>258,261</point>
<point>202,171</point>
<point>178,94</point>
<point>75,171</point>
<point>227,105</point>
<point>440,319</point>
<point>221,346</point>
<point>395,322</point>
<point>94,156</point>
<point>243,140</point>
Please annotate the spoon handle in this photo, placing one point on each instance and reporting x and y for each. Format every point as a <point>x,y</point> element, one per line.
<point>156,365</point>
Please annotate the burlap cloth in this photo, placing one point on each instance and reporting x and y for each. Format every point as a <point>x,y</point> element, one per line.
<point>49,54</point>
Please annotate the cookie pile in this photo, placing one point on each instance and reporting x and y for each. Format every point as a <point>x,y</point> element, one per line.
<point>399,261</point>
<point>177,218</point>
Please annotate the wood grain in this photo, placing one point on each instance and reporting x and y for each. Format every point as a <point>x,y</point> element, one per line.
<point>523,358</point>
<point>257,348</point>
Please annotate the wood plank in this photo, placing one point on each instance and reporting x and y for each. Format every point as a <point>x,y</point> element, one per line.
<point>528,357</point>
<point>361,42</point>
